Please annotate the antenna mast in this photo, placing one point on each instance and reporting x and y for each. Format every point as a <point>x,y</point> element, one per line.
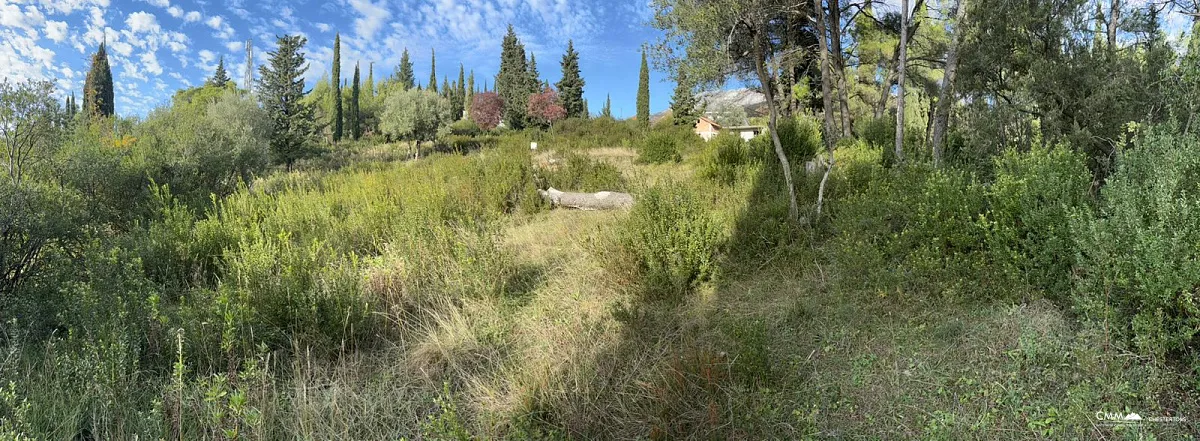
<point>248,81</point>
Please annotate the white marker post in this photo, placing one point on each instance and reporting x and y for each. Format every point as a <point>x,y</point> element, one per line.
<point>533,146</point>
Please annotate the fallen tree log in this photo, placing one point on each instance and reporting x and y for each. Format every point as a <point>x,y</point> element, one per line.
<point>605,200</point>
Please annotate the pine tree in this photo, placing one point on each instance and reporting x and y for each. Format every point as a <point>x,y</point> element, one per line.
<point>281,87</point>
<point>512,82</point>
<point>535,78</point>
<point>643,94</point>
<point>683,103</point>
<point>337,87</point>
<point>71,106</point>
<point>404,72</point>
<point>98,86</point>
<point>355,95</point>
<point>220,77</point>
<point>570,88</point>
<point>432,71</point>
<point>606,111</point>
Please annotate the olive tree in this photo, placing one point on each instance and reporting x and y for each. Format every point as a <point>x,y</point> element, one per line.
<point>414,115</point>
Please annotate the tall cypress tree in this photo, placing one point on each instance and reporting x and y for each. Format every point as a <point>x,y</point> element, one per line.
<point>512,82</point>
<point>404,72</point>
<point>432,71</point>
<point>683,103</point>
<point>606,111</point>
<point>281,87</point>
<point>220,77</point>
<point>643,94</point>
<point>370,86</point>
<point>355,95</point>
<point>445,87</point>
<point>337,87</point>
<point>570,88</point>
<point>98,86</point>
<point>469,95</point>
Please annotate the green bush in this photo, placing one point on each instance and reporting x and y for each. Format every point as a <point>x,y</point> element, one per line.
<point>916,229</point>
<point>659,148</point>
<point>1031,203</point>
<point>578,172</point>
<point>800,138</point>
<point>671,240</point>
<point>723,158</point>
<point>464,127</point>
<point>577,133</point>
<point>1138,267</point>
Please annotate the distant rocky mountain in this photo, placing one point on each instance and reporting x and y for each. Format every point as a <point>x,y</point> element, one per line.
<point>718,103</point>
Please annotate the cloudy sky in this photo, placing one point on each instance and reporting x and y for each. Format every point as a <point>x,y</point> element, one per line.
<point>159,46</point>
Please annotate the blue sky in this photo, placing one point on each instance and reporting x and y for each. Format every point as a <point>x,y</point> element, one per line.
<point>159,46</point>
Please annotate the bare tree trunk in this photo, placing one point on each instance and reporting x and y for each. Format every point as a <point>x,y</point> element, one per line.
<point>901,68</point>
<point>760,65</point>
<point>839,65</point>
<point>941,115</point>
<point>1114,16</point>
<point>889,78</point>
<point>827,96</point>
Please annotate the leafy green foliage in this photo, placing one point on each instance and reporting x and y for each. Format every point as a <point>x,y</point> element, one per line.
<point>580,173</point>
<point>414,115</point>
<point>658,148</point>
<point>281,87</point>
<point>512,82</point>
<point>1137,264</point>
<point>570,87</point>
<point>98,98</point>
<point>672,242</point>
<point>724,158</point>
<point>643,94</point>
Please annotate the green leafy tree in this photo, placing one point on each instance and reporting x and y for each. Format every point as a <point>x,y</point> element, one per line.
<point>570,87</point>
<point>281,89</point>
<point>512,82</point>
<point>404,72</point>
<point>337,87</point>
<point>98,86</point>
<point>469,95</point>
<point>355,97</point>
<point>683,103</point>
<point>414,115</point>
<point>643,94</point>
<point>606,111</point>
<point>220,77</point>
<point>535,77</point>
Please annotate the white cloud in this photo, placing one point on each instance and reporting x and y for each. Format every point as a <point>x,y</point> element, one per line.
<point>192,16</point>
<point>207,56</point>
<point>371,17</point>
<point>29,19</point>
<point>224,30</point>
<point>150,62</point>
<point>215,22</point>
<point>175,11</point>
<point>121,47</point>
<point>142,22</point>
<point>323,27</point>
<point>56,31</point>
<point>159,3</point>
<point>234,46</point>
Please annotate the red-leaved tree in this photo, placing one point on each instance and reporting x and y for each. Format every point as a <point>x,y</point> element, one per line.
<point>544,108</point>
<point>486,110</point>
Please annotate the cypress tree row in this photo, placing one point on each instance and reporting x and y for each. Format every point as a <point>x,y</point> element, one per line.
<point>220,77</point>
<point>355,95</point>
<point>337,87</point>
<point>404,72</point>
<point>570,88</point>
<point>432,71</point>
<point>281,87</point>
<point>98,86</point>
<point>512,82</point>
<point>643,95</point>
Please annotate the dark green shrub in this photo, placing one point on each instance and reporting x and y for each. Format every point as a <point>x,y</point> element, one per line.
<point>800,138</point>
<point>671,240</point>
<point>464,127</point>
<point>659,148</point>
<point>1139,260</point>
<point>723,158</point>
<point>578,172</point>
<point>1032,200</point>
